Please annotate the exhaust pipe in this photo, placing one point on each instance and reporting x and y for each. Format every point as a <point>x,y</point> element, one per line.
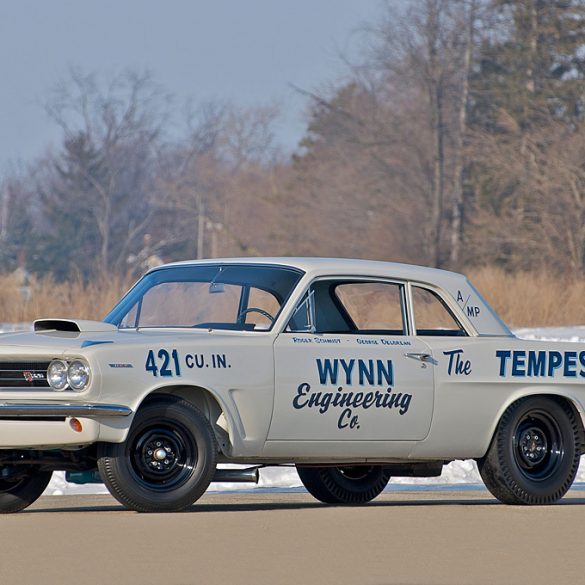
<point>247,475</point>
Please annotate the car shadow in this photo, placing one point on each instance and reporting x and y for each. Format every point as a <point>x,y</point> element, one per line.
<point>203,507</point>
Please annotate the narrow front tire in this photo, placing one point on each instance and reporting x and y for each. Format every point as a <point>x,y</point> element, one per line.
<point>167,461</point>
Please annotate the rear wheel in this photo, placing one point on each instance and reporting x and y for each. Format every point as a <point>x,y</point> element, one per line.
<point>534,455</point>
<point>344,485</point>
<point>19,488</point>
<point>167,461</point>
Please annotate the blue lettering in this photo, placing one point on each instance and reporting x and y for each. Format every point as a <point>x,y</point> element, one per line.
<point>369,400</point>
<point>582,362</point>
<point>405,403</point>
<point>302,391</point>
<point>536,363</point>
<point>456,364</point>
<point>504,355</point>
<point>327,370</point>
<point>555,360</point>
<point>381,372</point>
<point>347,368</point>
<point>385,375</point>
<point>366,372</point>
<point>518,363</point>
<point>570,369</point>
<point>345,416</point>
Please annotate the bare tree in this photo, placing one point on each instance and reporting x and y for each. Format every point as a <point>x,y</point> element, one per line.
<point>410,121</point>
<point>111,129</point>
<point>536,212</point>
<point>207,177</point>
<point>467,18</point>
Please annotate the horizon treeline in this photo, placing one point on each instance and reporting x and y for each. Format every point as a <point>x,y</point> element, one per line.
<point>455,139</point>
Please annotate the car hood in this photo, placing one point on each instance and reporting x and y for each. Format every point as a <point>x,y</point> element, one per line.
<point>56,337</point>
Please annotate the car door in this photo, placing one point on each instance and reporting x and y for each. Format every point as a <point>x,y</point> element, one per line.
<point>347,368</point>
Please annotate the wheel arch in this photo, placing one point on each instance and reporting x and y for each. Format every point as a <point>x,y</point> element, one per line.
<point>553,393</point>
<point>208,403</point>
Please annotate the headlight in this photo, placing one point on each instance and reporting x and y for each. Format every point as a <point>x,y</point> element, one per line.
<point>78,375</point>
<point>57,375</point>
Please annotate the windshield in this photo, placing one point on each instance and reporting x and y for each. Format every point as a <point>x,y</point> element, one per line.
<point>236,297</point>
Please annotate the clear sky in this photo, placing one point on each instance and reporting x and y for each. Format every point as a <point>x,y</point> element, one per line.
<point>247,51</point>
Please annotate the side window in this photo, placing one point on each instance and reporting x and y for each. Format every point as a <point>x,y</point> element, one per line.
<point>300,322</point>
<point>129,320</point>
<point>373,307</point>
<point>432,316</point>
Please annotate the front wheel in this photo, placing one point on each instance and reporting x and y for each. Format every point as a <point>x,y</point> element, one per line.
<point>534,455</point>
<point>19,488</point>
<point>344,485</point>
<point>167,461</point>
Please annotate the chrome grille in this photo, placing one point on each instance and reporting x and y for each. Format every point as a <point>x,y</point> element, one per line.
<point>23,374</point>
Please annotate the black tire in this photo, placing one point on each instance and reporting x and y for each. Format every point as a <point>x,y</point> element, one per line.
<point>143,481</point>
<point>534,455</point>
<point>344,485</point>
<point>21,491</point>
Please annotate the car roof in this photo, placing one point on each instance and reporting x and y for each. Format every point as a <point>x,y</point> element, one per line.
<point>336,266</point>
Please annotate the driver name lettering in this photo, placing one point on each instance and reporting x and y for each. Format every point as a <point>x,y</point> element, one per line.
<point>342,373</point>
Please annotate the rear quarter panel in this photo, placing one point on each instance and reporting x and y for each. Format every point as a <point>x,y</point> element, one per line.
<point>477,378</point>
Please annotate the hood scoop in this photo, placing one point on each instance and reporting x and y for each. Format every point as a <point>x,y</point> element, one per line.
<point>73,326</point>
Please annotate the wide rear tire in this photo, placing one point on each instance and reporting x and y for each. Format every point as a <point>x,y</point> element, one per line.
<point>534,455</point>
<point>167,461</point>
<point>344,485</point>
<point>19,493</point>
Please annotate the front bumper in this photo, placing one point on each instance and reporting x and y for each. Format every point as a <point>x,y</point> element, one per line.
<point>48,425</point>
<point>45,410</point>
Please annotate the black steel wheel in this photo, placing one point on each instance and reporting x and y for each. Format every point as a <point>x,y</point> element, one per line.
<point>351,484</point>
<point>20,487</point>
<point>167,461</point>
<point>534,455</point>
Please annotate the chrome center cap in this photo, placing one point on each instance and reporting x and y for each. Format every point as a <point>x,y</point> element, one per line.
<point>160,454</point>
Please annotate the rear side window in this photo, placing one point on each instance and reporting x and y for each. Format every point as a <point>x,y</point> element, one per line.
<point>373,307</point>
<point>432,316</point>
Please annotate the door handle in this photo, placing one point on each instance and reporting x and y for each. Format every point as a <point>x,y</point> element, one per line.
<point>421,357</point>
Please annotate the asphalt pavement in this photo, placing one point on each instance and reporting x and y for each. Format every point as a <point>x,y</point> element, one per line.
<point>414,538</point>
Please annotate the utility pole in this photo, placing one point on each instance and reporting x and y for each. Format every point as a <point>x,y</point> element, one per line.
<point>458,216</point>
<point>4,213</point>
<point>214,228</point>
<point>200,226</point>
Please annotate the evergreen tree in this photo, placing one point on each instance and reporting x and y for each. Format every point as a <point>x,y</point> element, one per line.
<point>531,65</point>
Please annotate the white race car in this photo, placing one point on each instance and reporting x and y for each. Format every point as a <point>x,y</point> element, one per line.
<point>354,371</point>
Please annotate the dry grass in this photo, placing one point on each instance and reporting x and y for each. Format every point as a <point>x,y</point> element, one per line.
<point>527,299</point>
<point>48,298</point>
<point>532,299</point>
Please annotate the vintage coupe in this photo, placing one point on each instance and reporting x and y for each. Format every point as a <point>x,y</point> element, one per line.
<point>354,371</point>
